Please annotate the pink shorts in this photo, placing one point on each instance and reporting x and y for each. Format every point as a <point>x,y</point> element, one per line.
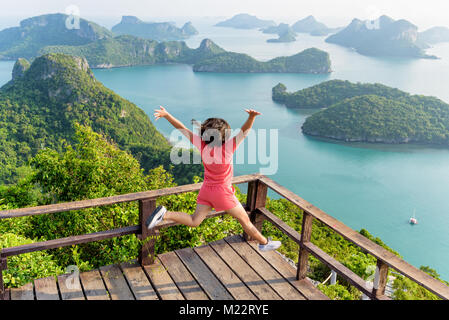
<point>221,198</point>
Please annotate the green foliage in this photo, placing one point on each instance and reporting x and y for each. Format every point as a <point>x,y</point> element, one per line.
<point>338,292</point>
<point>93,168</point>
<point>406,289</point>
<point>26,267</point>
<point>40,109</point>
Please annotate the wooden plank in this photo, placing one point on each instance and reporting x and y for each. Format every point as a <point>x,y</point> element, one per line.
<point>281,225</point>
<point>202,274</point>
<point>70,287</point>
<point>69,241</point>
<point>84,204</point>
<point>380,279</point>
<point>256,198</point>
<point>245,272</point>
<point>26,292</point>
<point>182,277</point>
<point>93,285</point>
<point>227,277</point>
<point>161,281</point>
<point>374,249</point>
<point>275,280</point>
<point>138,281</point>
<point>289,273</point>
<point>303,255</point>
<point>116,283</point>
<point>146,254</point>
<point>46,289</point>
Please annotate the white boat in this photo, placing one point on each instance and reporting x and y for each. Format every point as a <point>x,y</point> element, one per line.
<point>413,219</point>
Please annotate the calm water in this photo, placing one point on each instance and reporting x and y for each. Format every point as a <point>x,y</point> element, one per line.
<point>366,186</point>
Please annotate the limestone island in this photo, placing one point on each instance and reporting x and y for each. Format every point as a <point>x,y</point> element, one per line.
<point>374,113</point>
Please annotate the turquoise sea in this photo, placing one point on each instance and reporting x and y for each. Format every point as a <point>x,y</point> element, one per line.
<point>376,187</point>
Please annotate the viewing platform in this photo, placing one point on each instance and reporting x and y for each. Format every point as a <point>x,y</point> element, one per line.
<point>229,269</point>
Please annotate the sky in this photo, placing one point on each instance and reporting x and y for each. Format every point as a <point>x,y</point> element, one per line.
<point>333,12</point>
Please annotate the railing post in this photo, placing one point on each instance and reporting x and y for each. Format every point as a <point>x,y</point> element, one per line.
<point>147,253</point>
<point>303,257</point>
<point>256,198</point>
<point>3,266</point>
<point>380,279</point>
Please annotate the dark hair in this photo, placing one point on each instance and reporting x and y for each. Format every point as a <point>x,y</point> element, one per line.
<point>212,125</point>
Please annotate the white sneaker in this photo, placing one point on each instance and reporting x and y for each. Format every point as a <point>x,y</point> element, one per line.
<point>156,217</point>
<point>270,246</point>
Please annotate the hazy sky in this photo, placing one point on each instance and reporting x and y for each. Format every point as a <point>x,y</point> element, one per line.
<point>334,12</point>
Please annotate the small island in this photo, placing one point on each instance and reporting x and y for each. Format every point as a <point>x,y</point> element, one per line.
<point>159,31</point>
<point>313,27</point>
<point>434,35</point>
<point>288,36</point>
<point>382,37</point>
<point>374,113</point>
<point>245,21</point>
<point>283,30</point>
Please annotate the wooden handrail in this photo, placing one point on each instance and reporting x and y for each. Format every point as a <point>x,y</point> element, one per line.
<point>257,192</point>
<point>92,203</point>
<point>387,257</point>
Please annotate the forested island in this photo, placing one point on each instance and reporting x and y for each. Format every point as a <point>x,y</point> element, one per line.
<point>283,30</point>
<point>159,31</point>
<point>382,37</point>
<point>357,112</point>
<point>311,60</point>
<point>208,57</point>
<point>313,27</point>
<point>245,21</point>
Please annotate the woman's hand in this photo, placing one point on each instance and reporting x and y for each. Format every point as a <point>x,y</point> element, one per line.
<point>161,113</point>
<point>252,113</point>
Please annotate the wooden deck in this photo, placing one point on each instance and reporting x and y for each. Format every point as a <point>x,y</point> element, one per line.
<point>229,269</point>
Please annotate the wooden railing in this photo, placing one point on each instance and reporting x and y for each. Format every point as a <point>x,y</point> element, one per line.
<point>258,186</point>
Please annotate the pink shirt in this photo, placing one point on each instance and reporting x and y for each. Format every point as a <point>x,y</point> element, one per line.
<point>217,161</point>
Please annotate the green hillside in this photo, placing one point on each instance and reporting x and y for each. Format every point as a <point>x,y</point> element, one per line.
<point>39,107</point>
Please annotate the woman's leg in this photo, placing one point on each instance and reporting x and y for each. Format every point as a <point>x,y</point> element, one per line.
<point>187,219</point>
<point>240,214</point>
